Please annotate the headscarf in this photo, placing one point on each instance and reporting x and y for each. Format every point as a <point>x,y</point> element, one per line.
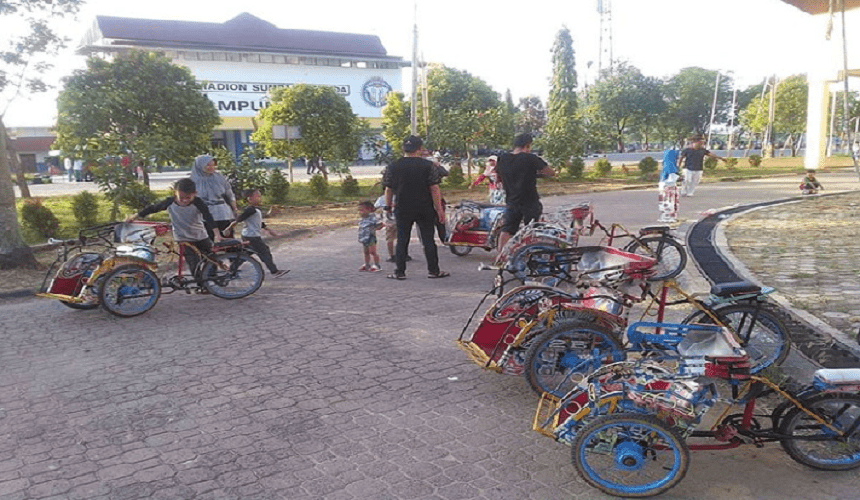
<point>210,187</point>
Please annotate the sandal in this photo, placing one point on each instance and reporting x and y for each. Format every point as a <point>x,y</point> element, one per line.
<point>397,276</point>
<point>363,268</point>
<point>440,274</point>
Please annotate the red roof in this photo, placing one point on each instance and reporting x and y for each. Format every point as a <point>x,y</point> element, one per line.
<point>32,144</point>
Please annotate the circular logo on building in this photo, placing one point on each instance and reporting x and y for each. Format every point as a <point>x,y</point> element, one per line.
<point>374,91</point>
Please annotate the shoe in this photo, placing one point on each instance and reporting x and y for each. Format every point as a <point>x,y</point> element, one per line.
<point>201,291</point>
<point>374,269</point>
<point>408,258</point>
<point>363,268</point>
<point>391,259</point>
<point>440,274</point>
<point>397,276</point>
<point>282,272</point>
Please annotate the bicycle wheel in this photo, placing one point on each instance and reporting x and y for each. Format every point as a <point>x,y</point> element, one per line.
<point>671,256</point>
<point>630,455</point>
<point>767,341</point>
<point>460,250</point>
<point>818,445</point>
<point>517,264</point>
<point>235,276</point>
<point>129,290</point>
<point>561,356</point>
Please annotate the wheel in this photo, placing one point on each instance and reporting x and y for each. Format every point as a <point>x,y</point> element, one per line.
<point>630,455</point>
<point>767,342</point>
<point>80,307</point>
<point>80,267</point>
<point>671,256</point>
<point>517,264</point>
<point>818,445</point>
<point>460,250</point>
<point>558,359</point>
<point>129,290</point>
<point>240,276</point>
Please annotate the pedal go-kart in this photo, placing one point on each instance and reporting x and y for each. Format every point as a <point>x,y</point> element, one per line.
<point>114,265</point>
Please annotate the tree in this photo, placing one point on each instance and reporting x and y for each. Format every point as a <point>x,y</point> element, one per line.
<point>561,134</point>
<point>690,95</point>
<point>140,107</point>
<point>790,108</point>
<point>32,43</point>
<point>530,117</point>
<point>396,121</point>
<point>465,112</point>
<point>624,97</point>
<point>329,129</point>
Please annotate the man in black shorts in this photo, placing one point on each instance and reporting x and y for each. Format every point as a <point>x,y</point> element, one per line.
<point>518,172</point>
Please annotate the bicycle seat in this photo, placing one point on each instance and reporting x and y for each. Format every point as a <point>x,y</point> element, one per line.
<point>654,230</point>
<point>735,288</point>
<point>227,244</point>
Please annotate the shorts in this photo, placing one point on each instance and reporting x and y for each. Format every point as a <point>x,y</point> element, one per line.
<point>390,231</point>
<point>369,242</point>
<point>516,214</point>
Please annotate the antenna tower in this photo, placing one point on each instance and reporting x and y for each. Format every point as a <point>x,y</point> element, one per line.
<point>604,8</point>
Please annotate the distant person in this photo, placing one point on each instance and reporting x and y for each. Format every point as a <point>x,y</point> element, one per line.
<point>436,158</point>
<point>518,171</point>
<point>215,190</point>
<point>78,167</point>
<point>693,159</point>
<point>496,195</point>
<point>810,184</point>
<point>667,199</point>
<point>252,216</point>
<point>415,183</point>
<point>367,227</point>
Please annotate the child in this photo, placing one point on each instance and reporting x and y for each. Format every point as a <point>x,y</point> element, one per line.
<point>667,197</point>
<point>367,227</point>
<point>810,184</point>
<point>252,216</point>
<point>190,217</point>
<point>390,227</point>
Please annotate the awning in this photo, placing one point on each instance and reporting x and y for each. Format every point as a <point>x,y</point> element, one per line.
<point>237,123</point>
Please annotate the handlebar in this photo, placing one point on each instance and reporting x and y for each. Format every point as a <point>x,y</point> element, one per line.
<point>52,241</point>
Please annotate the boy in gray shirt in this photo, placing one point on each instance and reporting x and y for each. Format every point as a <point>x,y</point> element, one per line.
<point>252,216</point>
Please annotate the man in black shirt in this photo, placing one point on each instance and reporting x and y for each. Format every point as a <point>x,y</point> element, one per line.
<point>693,159</point>
<point>415,183</point>
<point>518,172</point>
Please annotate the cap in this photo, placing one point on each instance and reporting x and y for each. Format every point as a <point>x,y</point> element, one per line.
<point>493,157</point>
<point>412,144</point>
<point>696,137</point>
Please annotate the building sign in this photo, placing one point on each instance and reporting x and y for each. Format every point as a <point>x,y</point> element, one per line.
<point>247,99</point>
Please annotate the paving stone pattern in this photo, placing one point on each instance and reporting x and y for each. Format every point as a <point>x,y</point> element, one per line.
<point>326,384</point>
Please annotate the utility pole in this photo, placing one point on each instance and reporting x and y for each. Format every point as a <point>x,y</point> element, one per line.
<point>414,103</point>
<point>713,108</point>
<point>604,7</point>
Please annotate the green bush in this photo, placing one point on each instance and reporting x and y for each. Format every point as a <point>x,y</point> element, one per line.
<point>755,160</point>
<point>349,186</point>
<point>731,163</point>
<point>647,165</point>
<point>576,167</point>
<point>136,195</point>
<point>710,163</point>
<point>39,218</point>
<point>318,187</point>
<point>85,208</point>
<point>455,175</point>
<point>277,188</point>
<point>602,167</point>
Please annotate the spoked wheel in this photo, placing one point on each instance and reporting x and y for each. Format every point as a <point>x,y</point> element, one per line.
<point>818,445</point>
<point>235,276</point>
<point>518,263</point>
<point>630,455</point>
<point>560,357</point>
<point>129,290</point>
<point>80,265</point>
<point>766,340</point>
<point>671,255</point>
<point>460,250</point>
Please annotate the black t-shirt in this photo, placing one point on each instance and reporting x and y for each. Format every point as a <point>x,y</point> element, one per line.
<point>410,178</point>
<point>519,173</point>
<point>694,158</point>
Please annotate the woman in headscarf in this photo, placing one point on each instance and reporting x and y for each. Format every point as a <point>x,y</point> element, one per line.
<point>214,189</point>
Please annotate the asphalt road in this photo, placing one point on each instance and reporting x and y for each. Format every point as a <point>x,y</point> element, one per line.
<point>328,383</point>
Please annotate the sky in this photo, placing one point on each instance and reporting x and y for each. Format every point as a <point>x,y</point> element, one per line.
<point>507,44</point>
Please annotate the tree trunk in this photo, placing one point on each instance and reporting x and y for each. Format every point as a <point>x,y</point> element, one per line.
<point>15,166</point>
<point>13,251</point>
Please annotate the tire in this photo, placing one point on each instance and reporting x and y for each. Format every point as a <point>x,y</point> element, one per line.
<point>671,256</point>
<point>769,342</point>
<point>80,307</point>
<point>841,410</point>
<point>129,290</point>
<point>517,263</point>
<point>243,276</point>
<point>460,250</point>
<point>630,455</point>
<point>558,358</point>
<point>83,262</point>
